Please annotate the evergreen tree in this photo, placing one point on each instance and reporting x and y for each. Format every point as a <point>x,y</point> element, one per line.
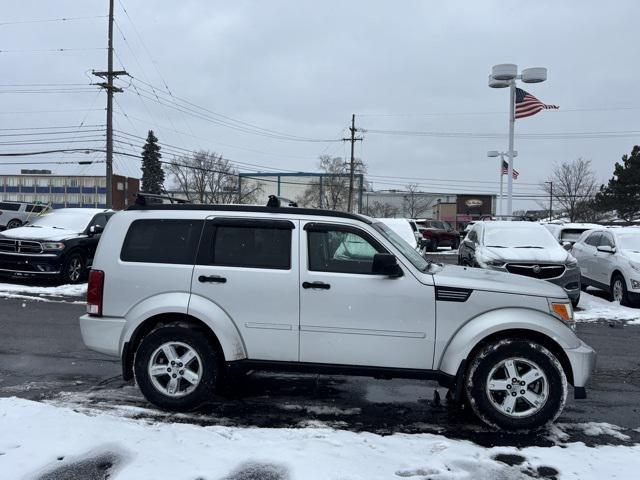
<point>622,193</point>
<point>152,173</point>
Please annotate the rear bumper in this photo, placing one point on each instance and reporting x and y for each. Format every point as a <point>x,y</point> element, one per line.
<point>583,362</point>
<point>102,334</point>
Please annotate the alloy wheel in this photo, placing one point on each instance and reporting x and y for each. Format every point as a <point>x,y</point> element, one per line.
<point>618,290</point>
<point>517,387</point>
<point>175,369</point>
<point>75,269</point>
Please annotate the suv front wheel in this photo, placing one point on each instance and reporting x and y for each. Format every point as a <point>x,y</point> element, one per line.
<point>176,368</point>
<point>516,385</point>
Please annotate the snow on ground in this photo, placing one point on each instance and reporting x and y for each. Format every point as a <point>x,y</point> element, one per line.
<point>44,442</point>
<point>42,293</point>
<point>592,308</point>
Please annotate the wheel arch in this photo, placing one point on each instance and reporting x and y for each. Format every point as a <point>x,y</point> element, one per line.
<point>227,349</point>
<point>498,325</point>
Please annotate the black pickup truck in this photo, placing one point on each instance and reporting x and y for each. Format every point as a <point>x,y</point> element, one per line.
<point>58,246</point>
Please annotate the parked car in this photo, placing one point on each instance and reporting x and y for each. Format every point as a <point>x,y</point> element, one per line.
<point>16,214</point>
<point>190,295</point>
<point>609,259</point>
<point>522,248</point>
<point>403,228</point>
<point>569,233</point>
<point>59,245</point>
<point>439,233</point>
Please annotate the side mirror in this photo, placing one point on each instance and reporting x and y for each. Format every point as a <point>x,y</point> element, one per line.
<point>96,229</point>
<point>567,246</point>
<point>386,264</point>
<point>606,249</point>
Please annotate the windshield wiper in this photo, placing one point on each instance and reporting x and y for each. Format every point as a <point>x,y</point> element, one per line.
<point>529,246</point>
<point>495,246</point>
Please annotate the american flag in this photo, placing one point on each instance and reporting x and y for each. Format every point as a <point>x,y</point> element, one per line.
<point>527,104</point>
<point>505,170</point>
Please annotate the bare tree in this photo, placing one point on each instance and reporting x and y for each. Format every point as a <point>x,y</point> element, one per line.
<point>415,203</point>
<point>380,209</point>
<point>205,177</point>
<point>573,182</point>
<point>333,192</point>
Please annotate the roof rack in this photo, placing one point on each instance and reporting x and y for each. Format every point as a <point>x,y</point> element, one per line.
<point>249,208</point>
<point>143,198</point>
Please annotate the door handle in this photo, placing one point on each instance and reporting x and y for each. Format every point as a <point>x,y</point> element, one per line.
<point>318,285</point>
<point>212,279</point>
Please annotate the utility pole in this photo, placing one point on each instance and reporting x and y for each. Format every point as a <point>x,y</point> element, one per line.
<point>353,139</point>
<point>110,88</point>
<point>550,199</point>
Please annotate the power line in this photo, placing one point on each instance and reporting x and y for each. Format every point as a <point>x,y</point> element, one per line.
<point>62,19</point>
<point>52,50</point>
<point>528,136</point>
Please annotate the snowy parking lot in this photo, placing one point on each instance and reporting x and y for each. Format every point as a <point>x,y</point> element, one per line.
<point>270,426</point>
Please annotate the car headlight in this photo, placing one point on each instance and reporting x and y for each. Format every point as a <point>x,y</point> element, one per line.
<point>485,260</point>
<point>52,246</point>
<point>562,311</point>
<point>571,261</point>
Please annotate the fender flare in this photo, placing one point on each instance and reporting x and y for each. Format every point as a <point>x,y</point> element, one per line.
<point>493,322</point>
<point>184,305</point>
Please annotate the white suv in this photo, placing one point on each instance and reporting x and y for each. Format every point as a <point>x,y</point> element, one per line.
<point>609,259</point>
<point>187,294</point>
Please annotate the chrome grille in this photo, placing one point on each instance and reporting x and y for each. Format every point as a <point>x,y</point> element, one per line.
<point>20,246</point>
<point>536,270</point>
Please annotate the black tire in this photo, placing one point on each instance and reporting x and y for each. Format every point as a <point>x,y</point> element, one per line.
<point>210,372</point>
<point>583,286</point>
<point>490,357</point>
<point>455,244</point>
<point>13,223</point>
<point>575,301</point>
<point>73,269</point>
<point>433,245</point>
<point>624,299</point>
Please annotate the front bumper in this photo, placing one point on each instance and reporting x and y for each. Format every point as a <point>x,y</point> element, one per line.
<point>102,334</point>
<point>30,265</point>
<point>583,361</point>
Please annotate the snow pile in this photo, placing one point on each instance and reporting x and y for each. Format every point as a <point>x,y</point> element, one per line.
<point>42,293</point>
<point>592,308</point>
<point>42,441</point>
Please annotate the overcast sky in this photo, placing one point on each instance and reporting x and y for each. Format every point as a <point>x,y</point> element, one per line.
<point>303,67</point>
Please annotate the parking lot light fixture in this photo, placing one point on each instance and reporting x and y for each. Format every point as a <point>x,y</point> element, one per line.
<point>505,75</point>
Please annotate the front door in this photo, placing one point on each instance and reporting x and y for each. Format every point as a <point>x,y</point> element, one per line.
<point>249,268</point>
<point>349,316</point>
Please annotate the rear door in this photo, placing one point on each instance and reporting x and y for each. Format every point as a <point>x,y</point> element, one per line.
<point>588,255</point>
<point>249,268</point>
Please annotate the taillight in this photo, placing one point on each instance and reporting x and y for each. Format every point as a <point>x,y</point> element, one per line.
<point>94,292</point>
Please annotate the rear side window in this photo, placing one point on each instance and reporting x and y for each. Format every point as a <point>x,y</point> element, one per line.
<point>247,243</point>
<point>593,239</point>
<point>14,207</point>
<point>162,241</point>
<point>36,208</point>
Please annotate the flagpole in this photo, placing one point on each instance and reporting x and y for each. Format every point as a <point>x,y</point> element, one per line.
<point>501,184</point>
<point>512,120</point>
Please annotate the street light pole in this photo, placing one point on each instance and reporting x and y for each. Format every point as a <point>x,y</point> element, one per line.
<point>550,199</point>
<point>501,185</point>
<point>502,76</point>
<point>512,121</point>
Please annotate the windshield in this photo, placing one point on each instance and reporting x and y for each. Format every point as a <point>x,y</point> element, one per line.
<point>520,236</point>
<point>407,250</point>
<point>75,222</point>
<point>629,240</point>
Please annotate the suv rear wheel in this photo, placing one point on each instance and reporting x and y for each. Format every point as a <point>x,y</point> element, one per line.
<point>516,385</point>
<point>176,368</point>
<point>15,223</point>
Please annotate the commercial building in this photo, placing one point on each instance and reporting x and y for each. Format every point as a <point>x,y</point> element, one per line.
<point>61,191</point>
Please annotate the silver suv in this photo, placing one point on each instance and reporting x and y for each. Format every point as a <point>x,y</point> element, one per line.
<point>187,294</point>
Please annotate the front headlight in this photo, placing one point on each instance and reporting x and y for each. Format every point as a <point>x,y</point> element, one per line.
<point>485,260</point>
<point>562,311</point>
<point>52,246</point>
<point>571,261</point>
